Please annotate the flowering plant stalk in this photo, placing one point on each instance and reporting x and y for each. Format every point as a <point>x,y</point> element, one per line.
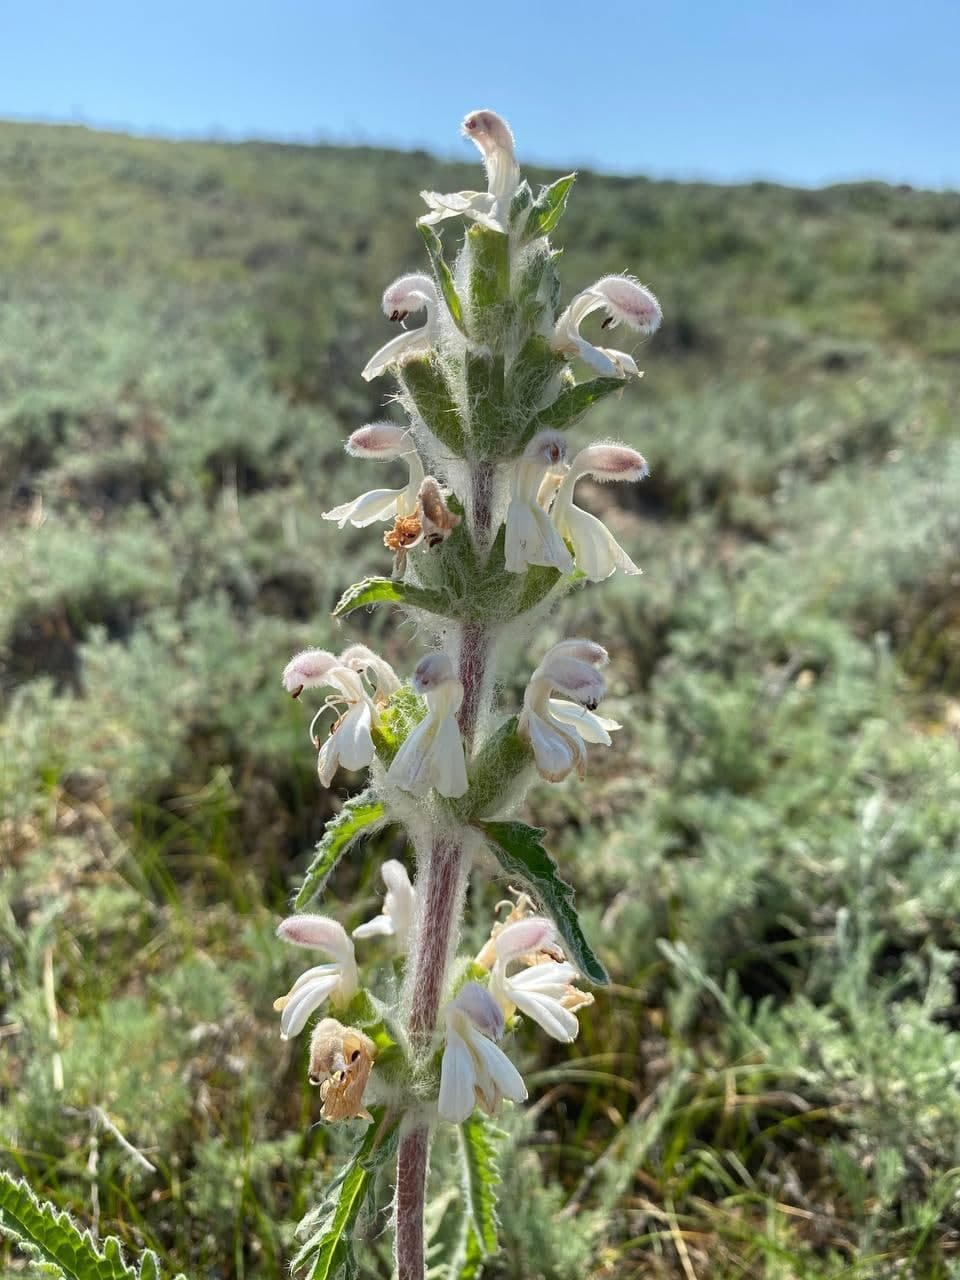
<point>486,538</point>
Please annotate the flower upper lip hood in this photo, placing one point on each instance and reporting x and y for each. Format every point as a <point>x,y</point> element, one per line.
<point>492,135</point>
<point>406,296</point>
<point>625,301</point>
<point>338,981</point>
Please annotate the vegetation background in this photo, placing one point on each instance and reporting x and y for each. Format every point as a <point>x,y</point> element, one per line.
<point>769,857</point>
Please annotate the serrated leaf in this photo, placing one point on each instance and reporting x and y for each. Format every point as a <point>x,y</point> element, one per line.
<point>360,815</point>
<point>572,403</point>
<point>428,388</point>
<point>444,274</point>
<point>50,1237</point>
<point>549,206</point>
<point>481,1177</point>
<point>328,1253</point>
<point>519,850</point>
<point>388,591</point>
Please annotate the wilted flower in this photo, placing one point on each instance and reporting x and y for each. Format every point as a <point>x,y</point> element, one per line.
<point>474,1069</point>
<point>341,1059</point>
<point>383,441</point>
<point>530,536</point>
<point>595,550</point>
<point>556,728</point>
<point>406,296</point>
<point>492,135</point>
<point>544,991</point>
<point>396,919</point>
<point>337,982</point>
<point>624,301</point>
<point>432,753</point>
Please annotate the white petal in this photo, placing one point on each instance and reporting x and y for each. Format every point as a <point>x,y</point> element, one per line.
<point>550,977</point>
<point>494,1063</point>
<point>447,761</point>
<point>378,504</point>
<point>354,741</point>
<point>531,538</point>
<point>410,769</point>
<point>596,550</point>
<point>479,1006</point>
<point>515,940</point>
<point>303,1002</point>
<point>556,1021</point>
<point>395,351</point>
<point>555,754</point>
<point>328,761</point>
<point>599,360</point>
<point>319,932</point>
<point>591,727</point>
<point>457,1080</point>
<point>379,926</point>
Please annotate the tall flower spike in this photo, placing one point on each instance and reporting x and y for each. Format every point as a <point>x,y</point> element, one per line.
<point>396,919</point>
<point>556,728</point>
<point>432,753</point>
<point>474,1069</point>
<point>625,302</point>
<point>531,537</point>
<point>383,441</point>
<point>337,982</point>
<point>406,296</point>
<point>544,991</point>
<point>492,135</point>
<point>596,551</point>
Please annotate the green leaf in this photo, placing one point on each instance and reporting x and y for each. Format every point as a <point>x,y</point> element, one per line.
<point>485,402</point>
<point>404,710</point>
<point>549,207</point>
<point>427,386</point>
<point>530,376</point>
<point>481,1177</point>
<point>522,856</point>
<point>50,1238</point>
<point>328,1253</point>
<point>522,201</point>
<point>444,274</point>
<point>489,284</point>
<point>360,815</point>
<point>499,764</point>
<point>572,403</point>
<point>388,591</point>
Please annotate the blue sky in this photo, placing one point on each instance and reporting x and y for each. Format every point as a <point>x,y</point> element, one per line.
<point>804,92</point>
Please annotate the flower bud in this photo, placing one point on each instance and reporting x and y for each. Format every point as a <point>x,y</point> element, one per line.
<point>628,302</point>
<point>378,440</point>
<point>610,462</point>
<point>407,295</point>
<point>432,671</point>
<point>306,670</point>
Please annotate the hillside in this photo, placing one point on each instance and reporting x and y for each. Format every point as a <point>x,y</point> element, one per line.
<point>770,858</point>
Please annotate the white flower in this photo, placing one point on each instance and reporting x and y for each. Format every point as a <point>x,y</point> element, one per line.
<point>595,549</point>
<point>492,135</point>
<point>350,742</point>
<point>396,919</point>
<point>531,537</point>
<point>383,441</point>
<point>474,1070</point>
<point>363,660</point>
<point>432,753</point>
<point>337,982</point>
<point>624,301</point>
<point>544,991</point>
<point>556,728</point>
<point>406,296</point>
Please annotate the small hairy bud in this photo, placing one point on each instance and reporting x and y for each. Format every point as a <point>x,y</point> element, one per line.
<point>610,462</point>
<point>307,669</point>
<point>547,447</point>
<point>341,1059</point>
<point>630,303</point>
<point>378,440</point>
<point>407,295</point>
<point>432,671</point>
